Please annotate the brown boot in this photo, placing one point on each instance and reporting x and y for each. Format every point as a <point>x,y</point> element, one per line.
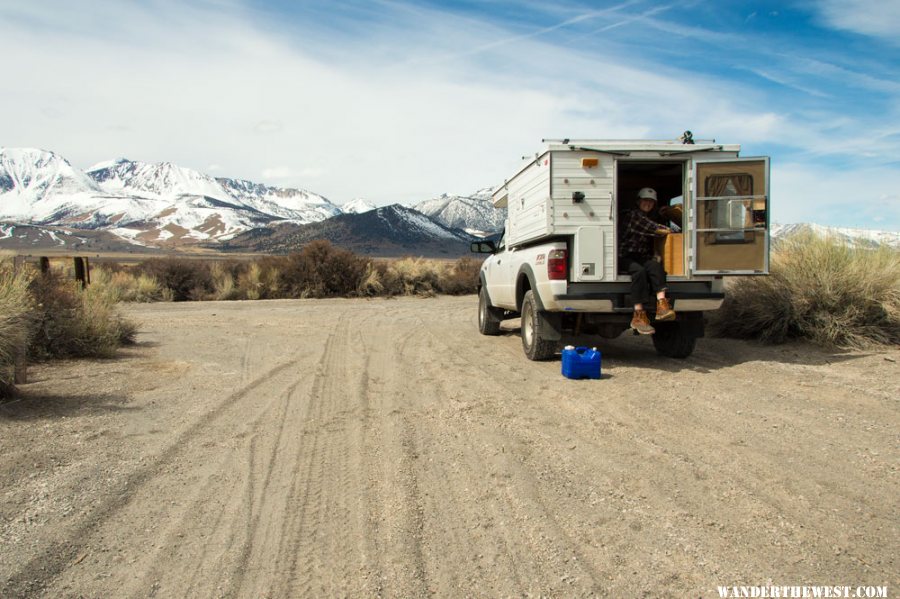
<point>664,311</point>
<point>641,323</point>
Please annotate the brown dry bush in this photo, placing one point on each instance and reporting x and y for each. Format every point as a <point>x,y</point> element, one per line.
<point>186,279</point>
<point>225,277</point>
<point>322,270</point>
<point>820,290</point>
<point>260,280</point>
<point>71,322</point>
<point>461,278</point>
<point>412,276</point>
<point>16,304</point>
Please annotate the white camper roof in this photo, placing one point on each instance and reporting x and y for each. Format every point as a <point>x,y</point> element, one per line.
<point>644,148</point>
<point>639,145</point>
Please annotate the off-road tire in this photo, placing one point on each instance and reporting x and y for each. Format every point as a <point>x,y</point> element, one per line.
<point>489,317</point>
<point>533,342</point>
<point>673,340</point>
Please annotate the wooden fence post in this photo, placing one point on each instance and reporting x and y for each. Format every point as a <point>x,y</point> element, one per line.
<point>79,271</point>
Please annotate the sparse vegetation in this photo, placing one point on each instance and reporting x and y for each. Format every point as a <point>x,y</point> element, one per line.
<point>15,307</point>
<point>318,270</point>
<point>68,322</point>
<point>818,290</point>
<point>49,315</point>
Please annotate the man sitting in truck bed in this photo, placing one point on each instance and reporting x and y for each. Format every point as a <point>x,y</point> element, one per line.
<point>636,258</point>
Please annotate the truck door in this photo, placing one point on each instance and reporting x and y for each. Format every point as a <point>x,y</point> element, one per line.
<point>730,216</point>
<point>500,287</point>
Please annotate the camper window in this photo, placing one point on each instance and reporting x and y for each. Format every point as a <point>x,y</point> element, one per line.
<point>728,206</point>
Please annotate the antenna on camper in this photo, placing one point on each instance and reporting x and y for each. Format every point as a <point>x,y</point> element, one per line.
<point>687,138</point>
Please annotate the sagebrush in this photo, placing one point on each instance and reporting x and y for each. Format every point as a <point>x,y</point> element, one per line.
<point>821,290</point>
<point>70,322</point>
<point>16,304</point>
<point>318,270</point>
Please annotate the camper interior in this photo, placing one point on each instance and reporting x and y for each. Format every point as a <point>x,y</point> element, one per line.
<point>667,178</point>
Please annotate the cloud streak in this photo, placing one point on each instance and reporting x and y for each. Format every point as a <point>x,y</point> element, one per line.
<point>401,102</point>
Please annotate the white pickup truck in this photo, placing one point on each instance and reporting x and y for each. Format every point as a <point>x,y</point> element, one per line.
<point>556,263</point>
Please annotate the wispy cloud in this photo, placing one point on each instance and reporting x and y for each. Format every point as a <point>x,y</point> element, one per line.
<point>877,18</point>
<point>399,101</point>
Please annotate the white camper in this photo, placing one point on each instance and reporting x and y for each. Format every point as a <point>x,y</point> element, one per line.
<point>567,201</point>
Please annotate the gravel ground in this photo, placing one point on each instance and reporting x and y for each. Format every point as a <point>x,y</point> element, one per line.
<point>384,448</point>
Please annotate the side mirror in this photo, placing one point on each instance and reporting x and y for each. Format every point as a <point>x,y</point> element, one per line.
<point>483,247</point>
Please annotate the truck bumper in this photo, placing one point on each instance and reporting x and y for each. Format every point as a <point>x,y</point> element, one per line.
<point>685,301</point>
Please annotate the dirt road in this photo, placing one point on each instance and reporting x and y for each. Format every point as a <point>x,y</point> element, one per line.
<point>384,448</point>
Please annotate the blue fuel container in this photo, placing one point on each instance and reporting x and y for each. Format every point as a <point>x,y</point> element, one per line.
<point>580,362</point>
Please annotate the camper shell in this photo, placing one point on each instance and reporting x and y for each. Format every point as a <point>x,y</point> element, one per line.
<point>577,189</point>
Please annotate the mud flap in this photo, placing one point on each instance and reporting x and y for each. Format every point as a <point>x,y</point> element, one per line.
<point>550,325</point>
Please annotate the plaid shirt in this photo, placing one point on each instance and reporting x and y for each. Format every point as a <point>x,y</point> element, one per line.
<point>640,230</point>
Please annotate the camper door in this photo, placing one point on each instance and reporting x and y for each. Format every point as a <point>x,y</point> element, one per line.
<point>731,216</point>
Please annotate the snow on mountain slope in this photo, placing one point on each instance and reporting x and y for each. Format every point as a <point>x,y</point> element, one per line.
<point>412,221</point>
<point>296,205</point>
<point>160,180</point>
<point>143,202</point>
<point>357,206</point>
<point>474,214</point>
<point>39,185</point>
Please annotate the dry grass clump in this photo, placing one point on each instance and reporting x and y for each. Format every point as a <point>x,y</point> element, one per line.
<point>71,322</point>
<point>319,269</point>
<point>461,278</point>
<point>16,304</point>
<point>126,286</point>
<point>185,279</point>
<point>820,290</point>
<point>420,277</point>
<point>260,279</point>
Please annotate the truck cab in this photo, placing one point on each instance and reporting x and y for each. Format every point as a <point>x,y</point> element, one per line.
<point>557,264</point>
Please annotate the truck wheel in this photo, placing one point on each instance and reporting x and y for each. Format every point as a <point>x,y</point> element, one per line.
<point>673,340</point>
<point>489,317</point>
<point>535,345</point>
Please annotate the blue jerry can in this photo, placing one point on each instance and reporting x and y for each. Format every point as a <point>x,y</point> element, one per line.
<point>580,362</point>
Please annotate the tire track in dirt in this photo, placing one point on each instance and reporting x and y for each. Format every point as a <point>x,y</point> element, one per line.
<point>399,453</point>
<point>317,551</point>
<point>538,545</point>
<point>698,478</point>
<point>38,573</point>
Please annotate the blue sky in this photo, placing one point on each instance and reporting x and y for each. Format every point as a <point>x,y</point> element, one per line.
<point>400,101</point>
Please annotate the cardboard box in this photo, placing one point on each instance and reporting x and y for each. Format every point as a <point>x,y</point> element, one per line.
<point>671,249</point>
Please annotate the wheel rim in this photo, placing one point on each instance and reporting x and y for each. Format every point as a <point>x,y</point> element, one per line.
<point>482,310</point>
<point>527,326</point>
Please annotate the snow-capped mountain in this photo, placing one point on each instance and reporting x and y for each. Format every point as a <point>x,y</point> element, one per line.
<point>39,186</point>
<point>475,214</point>
<point>387,231</point>
<point>142,202</point>
<point>357,206</point>
<point>858,238</point>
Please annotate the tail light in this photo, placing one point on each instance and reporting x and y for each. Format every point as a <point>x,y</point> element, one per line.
<point>557,265</point>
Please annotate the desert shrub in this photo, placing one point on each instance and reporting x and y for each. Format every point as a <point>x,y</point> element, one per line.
<point>821,290</point>
<point>371,284</point>
<point>461,277</point>
<point>70,322</point>
<point>412,276</point>
<point>225,277</point>
<point>322,270</point>
<point>186,279</point>
<point>267,281</point>
<point>128,285</point>
<point>15,308</point>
